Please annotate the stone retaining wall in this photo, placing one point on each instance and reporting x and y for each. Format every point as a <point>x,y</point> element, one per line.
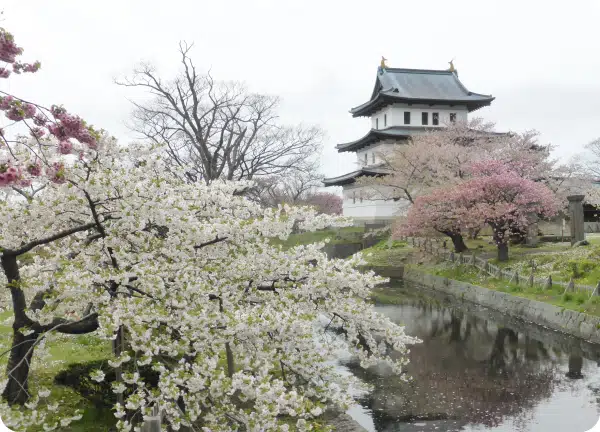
<point>567,321</point>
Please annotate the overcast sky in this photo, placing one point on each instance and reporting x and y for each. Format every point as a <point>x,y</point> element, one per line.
<point>538,58</point>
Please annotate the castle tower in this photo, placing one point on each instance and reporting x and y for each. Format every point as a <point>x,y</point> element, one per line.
<point>404,102</point>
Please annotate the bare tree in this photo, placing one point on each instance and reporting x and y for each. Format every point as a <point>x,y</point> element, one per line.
<point>289,188</point>
<point>218,130</point>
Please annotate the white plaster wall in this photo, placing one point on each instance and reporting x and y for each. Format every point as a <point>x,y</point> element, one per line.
<point>370,208</point>
<point>395,114</point>
<point>380,148</point>
<point>381,116</point>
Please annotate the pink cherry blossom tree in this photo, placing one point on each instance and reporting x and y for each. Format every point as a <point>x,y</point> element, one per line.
<point>506,201</point>
<point>494,194</point>
<point>325,203</point>
<point>442,211</point>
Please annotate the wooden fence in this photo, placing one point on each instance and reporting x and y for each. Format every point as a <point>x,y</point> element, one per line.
<point>441,251</point>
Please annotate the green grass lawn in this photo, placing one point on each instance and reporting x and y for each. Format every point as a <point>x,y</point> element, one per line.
<point>63,351</point>
<point>383,255</point>
<point>340,235</point>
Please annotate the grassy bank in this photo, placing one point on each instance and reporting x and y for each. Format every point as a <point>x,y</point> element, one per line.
<point>386,254</point>
<point>63,351</point>
<point>578,301</point>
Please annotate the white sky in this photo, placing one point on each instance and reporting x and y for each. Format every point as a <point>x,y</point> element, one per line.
<point>538,58</point>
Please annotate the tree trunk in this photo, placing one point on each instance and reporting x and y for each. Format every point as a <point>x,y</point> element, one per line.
<point>17,370</point>
<point>458,242</point>
<point>502,252</point>
<point>17,388</point>
<point>501,239</point>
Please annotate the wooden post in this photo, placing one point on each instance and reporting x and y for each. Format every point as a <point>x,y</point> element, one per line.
<point>596,291</point>
<point>153,423</point>
<point>570,286</point>
<point>515,278</point>
<point>548,284</point>
<point>531,279</point>
<point>499,273</point>
<point>577,221</point>
<point>452,257</point>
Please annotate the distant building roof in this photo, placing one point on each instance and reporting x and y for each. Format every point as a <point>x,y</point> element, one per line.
<point>394,132</point>
<point>420,86</point>
<point>351,177</point>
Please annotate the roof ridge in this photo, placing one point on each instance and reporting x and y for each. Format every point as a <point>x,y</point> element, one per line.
<point>410,70</point>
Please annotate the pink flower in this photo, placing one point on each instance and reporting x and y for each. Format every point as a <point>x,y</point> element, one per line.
<point>9,174</point>
<point>4,73</point>
<point>6,102</point>
<point>56,172</point>
<point>8,49</point>
<point>65,147</point>
<point>35,169</point>
<point>29,110</point>
<point>39,120</point>
<point>15,114</point>
<point>37,132</point>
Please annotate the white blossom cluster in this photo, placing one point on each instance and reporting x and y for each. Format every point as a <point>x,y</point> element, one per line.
<point>189,275</point>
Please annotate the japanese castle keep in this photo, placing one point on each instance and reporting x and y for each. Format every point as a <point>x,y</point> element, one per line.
<point>404,102</point>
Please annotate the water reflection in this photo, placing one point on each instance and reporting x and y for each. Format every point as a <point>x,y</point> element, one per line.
<point>477,370</point>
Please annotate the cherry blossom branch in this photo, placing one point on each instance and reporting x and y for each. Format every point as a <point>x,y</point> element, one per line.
<point>58,236</point>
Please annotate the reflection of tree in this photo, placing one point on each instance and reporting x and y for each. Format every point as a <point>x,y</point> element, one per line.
<point>464,371</point>
<point>575,365</point>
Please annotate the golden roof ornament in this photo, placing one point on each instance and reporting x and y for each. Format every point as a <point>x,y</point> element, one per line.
<point>383,60</point>
<point>451,63</point>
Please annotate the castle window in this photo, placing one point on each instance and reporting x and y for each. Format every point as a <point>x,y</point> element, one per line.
<point>376,123</point>
<point>435,119</point>
<point>366,158</point>
<point>452,117</point>
<point>385,120</point>
<point>406,117</point>
<point>373,157</point>
<point>425,118</point>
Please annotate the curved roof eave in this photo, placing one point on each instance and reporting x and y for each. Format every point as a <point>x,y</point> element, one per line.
<point>351,177</point>
<point>374,135</point>
<point>384,99</point>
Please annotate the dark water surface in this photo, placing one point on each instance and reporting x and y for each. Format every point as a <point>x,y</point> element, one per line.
<point>478,370</point>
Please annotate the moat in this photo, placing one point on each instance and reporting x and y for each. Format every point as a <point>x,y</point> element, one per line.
<point>477,370</point>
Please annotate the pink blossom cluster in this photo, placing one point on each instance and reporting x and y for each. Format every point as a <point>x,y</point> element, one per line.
<point>71,126</point>
<point>56,172</point>
<point>64,127</point>
<point>9,52</point>
<point>37,132</point>
<point>8,49</point>
<point>9,173</point>
<point>26,67</point>
<point>17,110</point>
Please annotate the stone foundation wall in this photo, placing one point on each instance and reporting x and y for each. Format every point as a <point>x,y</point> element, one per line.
<point>567,321</point>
